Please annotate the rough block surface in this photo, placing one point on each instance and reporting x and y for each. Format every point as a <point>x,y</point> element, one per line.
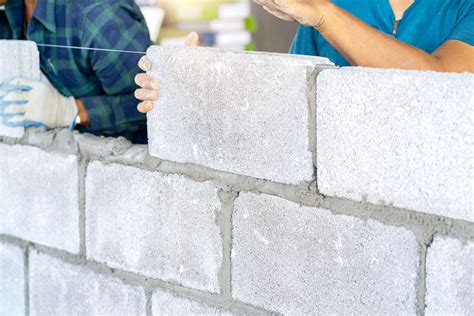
<point>156,225</point>
<point>450,277</point>
<point>18,59</point>
<point>12,280</point>
<point>397,137</point>
<point>245,113</point>
<point>39,196</point>
<point>165,303</point>
<point>300,260</point>
<point>58,288</point>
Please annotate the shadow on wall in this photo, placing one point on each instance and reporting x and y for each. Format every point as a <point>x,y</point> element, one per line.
<point>273,35</point>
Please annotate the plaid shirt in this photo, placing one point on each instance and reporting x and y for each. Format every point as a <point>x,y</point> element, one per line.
<point>104,81</point>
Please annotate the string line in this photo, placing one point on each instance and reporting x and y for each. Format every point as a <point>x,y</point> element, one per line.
<point>93,49</point>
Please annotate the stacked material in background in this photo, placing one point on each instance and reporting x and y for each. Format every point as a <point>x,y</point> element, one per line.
<point>224,24</point>
<point>228,24</point>
<point>154,16</point>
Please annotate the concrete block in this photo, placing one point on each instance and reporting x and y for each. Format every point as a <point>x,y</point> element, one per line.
<point>39,196</point>
<point>12,132</point>
<point>12,281</point>
<point>397,137</point>
<point>18,59</point>
<point>155,225</point>
<point>245,113</point>
<point>299,260</point>
<point>59,288</point>
<point>165,303</point>
<point>450,277</point>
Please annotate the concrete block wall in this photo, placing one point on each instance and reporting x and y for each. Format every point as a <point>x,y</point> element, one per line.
<point>300,210</point>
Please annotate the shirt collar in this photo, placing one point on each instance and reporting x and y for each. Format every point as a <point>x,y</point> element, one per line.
<point>45,14</point>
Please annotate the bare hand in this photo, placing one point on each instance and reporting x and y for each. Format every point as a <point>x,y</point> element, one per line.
<point>149,87</point>
<point>307,12</point>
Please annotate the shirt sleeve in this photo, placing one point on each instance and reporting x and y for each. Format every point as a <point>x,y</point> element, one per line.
<point>5,32</point>
<point>464,29</point>
<point>304,42</point>
<point>117,26</point>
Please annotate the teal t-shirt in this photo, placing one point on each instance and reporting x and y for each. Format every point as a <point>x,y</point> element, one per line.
<point>427,24</point>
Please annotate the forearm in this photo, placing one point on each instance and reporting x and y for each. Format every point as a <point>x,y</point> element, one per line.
<point>82,112</point>
<point>108,114</point>
<point>362,45</point>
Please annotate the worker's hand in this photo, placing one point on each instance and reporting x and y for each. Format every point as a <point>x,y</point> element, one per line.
<point>307,12</point>
<point>149,91</point>
<point>35,103</point>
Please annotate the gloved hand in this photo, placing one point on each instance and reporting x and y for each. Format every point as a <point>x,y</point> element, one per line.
<point>149,86</point>
<point>35,103</point>
<point>307,12</point>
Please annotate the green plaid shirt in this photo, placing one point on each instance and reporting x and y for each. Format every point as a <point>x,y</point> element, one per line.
<point>104,81</point>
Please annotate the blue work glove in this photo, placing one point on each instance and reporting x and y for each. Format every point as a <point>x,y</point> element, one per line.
<point>35,103</point>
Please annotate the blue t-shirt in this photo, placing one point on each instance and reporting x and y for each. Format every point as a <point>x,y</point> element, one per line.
<point>427,24</point>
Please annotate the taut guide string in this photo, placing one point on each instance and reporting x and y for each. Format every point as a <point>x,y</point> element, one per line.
<point>93,49</point>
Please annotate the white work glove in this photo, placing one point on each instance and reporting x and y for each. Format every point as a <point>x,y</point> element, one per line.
<point>36,103</point>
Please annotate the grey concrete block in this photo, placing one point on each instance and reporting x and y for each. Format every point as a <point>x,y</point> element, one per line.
<point>450,277</point>
<point>299,260</point>
<point>245,113</point>
<point>59,288</point>
<point>12,281</point>
<point>39,196</point>
<point>155,225</point>
<point>18,59</point>
<point>397,137</point>
<point>12,132</point>
<point>165,303</point>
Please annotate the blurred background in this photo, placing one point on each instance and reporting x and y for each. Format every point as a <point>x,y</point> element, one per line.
<point>229,24</point>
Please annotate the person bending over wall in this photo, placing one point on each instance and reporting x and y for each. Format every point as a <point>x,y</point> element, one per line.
<point>433,35</point>
<point>91,90</point>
